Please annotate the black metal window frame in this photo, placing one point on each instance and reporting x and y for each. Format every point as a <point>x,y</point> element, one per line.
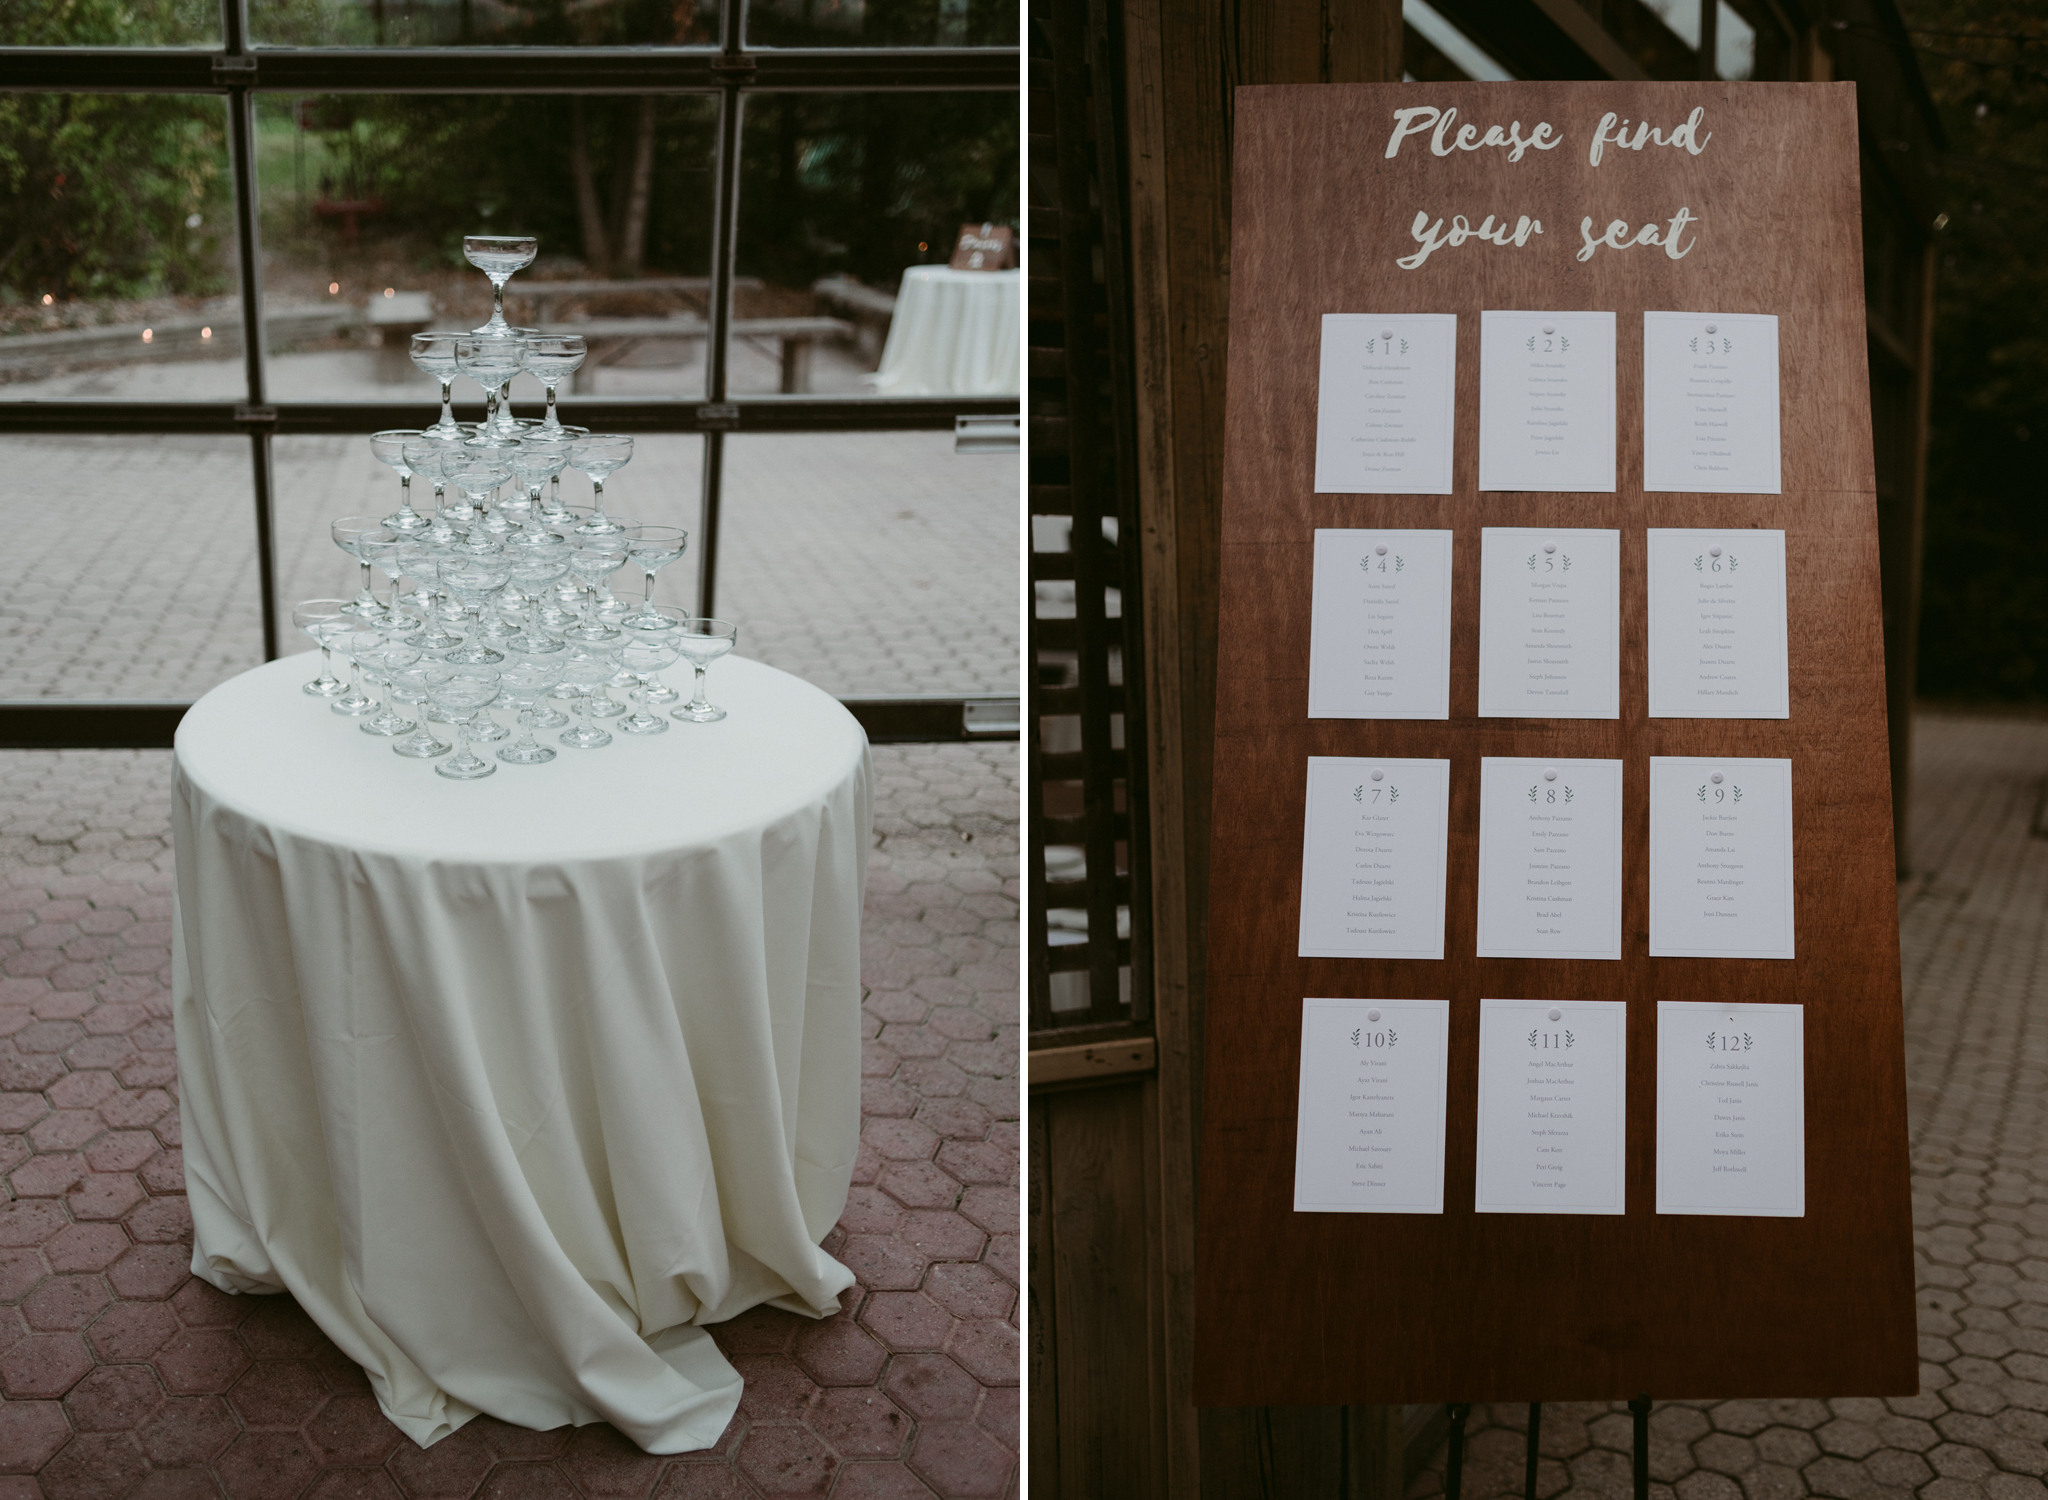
<point>240,69</point>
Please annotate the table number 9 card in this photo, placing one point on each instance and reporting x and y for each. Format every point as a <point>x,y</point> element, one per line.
<point>1369,1134</point>
<point>1720,857</point>
<point>1372,858</point>
<point>1380,626</point>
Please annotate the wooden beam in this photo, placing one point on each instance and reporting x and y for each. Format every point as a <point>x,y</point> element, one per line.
<point>1092,1060</point>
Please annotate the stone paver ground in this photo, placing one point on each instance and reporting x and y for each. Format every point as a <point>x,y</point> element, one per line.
<point>123,1378</point>
<point>1973,938</point>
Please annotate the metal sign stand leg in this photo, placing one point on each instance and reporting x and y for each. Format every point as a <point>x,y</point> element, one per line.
<point>1639,1408</point>
<point>1454,1461</point>
<point>1529,1460</point>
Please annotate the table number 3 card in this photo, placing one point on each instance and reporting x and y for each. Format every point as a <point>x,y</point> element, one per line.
<point>1384,403</point>
<point>1372,858</point>
<point>1369,1133</point>
<point>1710,402</point>
<point>1552,1084</point>
<point>1549,623</point>
<point>1380,632</point>
<point>1731,1109</point>
<point>1549,858</point>
<point>1717,625</point>
<point>1720,857</point>
<point>1546,401</point>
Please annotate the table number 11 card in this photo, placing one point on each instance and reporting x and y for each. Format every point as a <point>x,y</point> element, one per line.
<point>1552,1094</point>
<point>1373,858</point>
<point>1369,1132</point>
<point>1379,643</point>
<point>1384,398</point>
<point>1720,857</point>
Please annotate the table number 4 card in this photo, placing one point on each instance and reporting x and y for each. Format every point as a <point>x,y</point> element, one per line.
<point>1717,625</point>
<point>1552,1084</point>
<point>1380,631</point>
<point>1546,401</point>
<point>1549,858</point>
<point>1720,857</point>
<point>1369,1132</point>
<point>1384,403</point>
<point>1372,858</point>
<point>1710,402</point>
<point>1731,1109</point>
<point>1549,623</point>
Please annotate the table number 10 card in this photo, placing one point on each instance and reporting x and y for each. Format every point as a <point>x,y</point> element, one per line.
<point>1372,858</point>
<point>1384,403</point>
<point>1369,1133</point>
<point>1380,626</point>
<point>1720,857</point>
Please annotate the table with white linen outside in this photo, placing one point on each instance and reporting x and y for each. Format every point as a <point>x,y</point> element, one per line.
<point>955,333</point>
<point>516,1084</point>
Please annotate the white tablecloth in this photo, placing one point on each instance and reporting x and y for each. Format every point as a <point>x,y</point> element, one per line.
<point>515,1084</point>
<point>955,333</point>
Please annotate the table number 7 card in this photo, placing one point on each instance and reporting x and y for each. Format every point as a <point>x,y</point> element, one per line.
<point>1373,858</point>
<point>1720,857</point>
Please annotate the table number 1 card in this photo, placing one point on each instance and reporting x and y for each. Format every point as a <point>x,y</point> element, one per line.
<point>1384,403</point>
<point>1379,644</point>
<point>1710,402</point>
<point>1720,857</point>
<point>1552,1085</point>
<point>1731,1109</point>
<point>1372,858</point>
<point>1369,1131</point>
<point>1717,625</point>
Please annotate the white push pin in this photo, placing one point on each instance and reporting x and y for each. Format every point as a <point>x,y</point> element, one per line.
<point>1372,1015</point>
<point>1378,774</point>
<point>1386,333</point>
<point>1715,778</point>
<point>1381,550</point>
<point>1713,551</point>
<point>1550,546</point>
<point>1548,329</point>
<point>1556,1014</point>
<point>1550,773</point>
<point>1710,328</point>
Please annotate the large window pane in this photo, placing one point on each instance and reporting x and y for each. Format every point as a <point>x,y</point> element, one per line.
<point>482,23</point>
<point>130,566</point>
<point>882,23</point>
<point>117,249</point>
<point>849,207</point>
<point>872,562</point>
<point>366,199</point>
<point>110,23</point>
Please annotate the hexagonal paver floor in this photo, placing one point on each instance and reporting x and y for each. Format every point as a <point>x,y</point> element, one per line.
<point>123,1376</point>
<point>1974,943</point>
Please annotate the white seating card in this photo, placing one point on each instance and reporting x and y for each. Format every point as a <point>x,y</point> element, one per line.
<point>1384,403</point>
<point>1720,857</point>
<point>1552,1085</point>
<point>1369,1132</point>
<point>1380,631</point>
<point>1549,858</point>
<point>1717,625</point>
<point>1549,623</point>
<point>1546,401</point>
<point>1731,1109</point>
<point>1372,858</point>
<point>1710,402</point>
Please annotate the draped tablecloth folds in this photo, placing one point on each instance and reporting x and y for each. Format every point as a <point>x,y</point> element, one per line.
<point>517,1084</point>
<point>954,333</point>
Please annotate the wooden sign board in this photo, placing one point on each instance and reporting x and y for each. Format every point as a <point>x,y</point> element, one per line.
<point>1322,1308</point>
<point>984,247</point>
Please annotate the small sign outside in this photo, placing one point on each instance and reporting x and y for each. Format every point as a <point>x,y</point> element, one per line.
<point>984,247</point>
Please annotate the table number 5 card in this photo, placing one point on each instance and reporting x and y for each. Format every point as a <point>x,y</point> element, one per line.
<point>1552,1083</point>
<point>1549,623</point>
<point>1717,625</point>
<point>1372,858</point>
<point>1384,403</point>
<point>1720,857</point>
<point>1710,402</point>
<point>1380,631</point>
<point>1549,858</point>
<point>1546,401</point>
<point>1369,1134</point>
<point>1731,1109</point>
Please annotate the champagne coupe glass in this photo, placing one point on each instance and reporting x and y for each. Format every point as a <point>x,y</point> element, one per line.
<point>409,686</point>
<point>461,693</point>
<point>599,455</point>
<point>427,457</point>
<point>525,681</point>
<point>477,468</point>
<point>652,548</point>
<point>355,702</point>
<point>390,560</point>
<point>348,534</point>
<point>552,358</point>
<point>434,354</point>
<point>653,642</point>
<point>703,642</point>
<point>587,667</point>
<point>533,571</point>
<point>361,646</point>
<point>498,256</point>
<point>490,360</point>
<point>323,620</point>
<point>389,448</point>
<point>593,562</point>
<point>381,665</point>
<point>423,565</point>
<point>472,580</point>
<point>539,459</point>
<point>378,549</point>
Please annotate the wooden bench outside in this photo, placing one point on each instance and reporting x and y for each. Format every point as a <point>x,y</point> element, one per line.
<point>545,295</point>
<point>612,339</point>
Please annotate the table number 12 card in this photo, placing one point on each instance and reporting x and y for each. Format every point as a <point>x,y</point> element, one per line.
<point>1720,857</point>
<point>1731,1109</point>
<point>1384,403</point>
<point>1372,858</point>
<point>1380,626</point>
<point>1369,1131</point>
<point>1717,625</point>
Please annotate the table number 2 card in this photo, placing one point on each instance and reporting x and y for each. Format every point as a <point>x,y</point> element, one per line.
<point>1546,401</point>
<point>1731,1109</point>
<point>1552,1085</point>
<point>1720,857</point>
<point>1549,858</point>
<point>1710,402</point>
<point>1549,623</point>
<point>1717,625</point>
<point>1372,858</point>
<point>1384,399</point>
<point>1380,631</point>
<point>1369,1131</point>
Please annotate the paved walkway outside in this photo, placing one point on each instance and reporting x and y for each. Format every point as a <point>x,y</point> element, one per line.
<point>123,1378</point>
<point>1974,936</point>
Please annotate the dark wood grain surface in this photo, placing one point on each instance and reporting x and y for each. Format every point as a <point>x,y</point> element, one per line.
<point>1332,1308</point>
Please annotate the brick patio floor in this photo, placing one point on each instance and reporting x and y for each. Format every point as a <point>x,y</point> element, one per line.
<point>123,1378</point>
<point>1974,944</point>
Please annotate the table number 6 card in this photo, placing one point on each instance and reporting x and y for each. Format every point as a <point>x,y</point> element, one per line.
<point>1720,857</point>
<point>1717,625</point>
<point>1372,858</point>
<point>1369,1134</point>
<point>1380,626</point>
